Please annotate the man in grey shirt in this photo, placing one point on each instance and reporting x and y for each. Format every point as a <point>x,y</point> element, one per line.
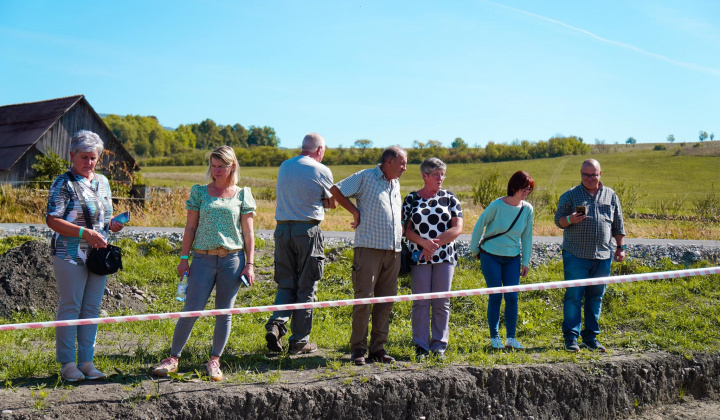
<point>303,191</point>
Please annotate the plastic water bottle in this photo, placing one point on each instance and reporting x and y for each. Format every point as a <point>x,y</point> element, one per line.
<point>182,288</point>
<point>122,218</point>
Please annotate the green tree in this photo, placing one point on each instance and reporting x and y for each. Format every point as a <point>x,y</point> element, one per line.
<point>703,135</point>
<point>459,143</point>
<point>712,136</point>
<point>262,136</point>
<point>630,140</point>
<point>671,138</point>
<point>363,144</point>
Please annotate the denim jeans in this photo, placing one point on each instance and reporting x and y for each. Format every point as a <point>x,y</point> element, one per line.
<point>80,293</point>
<point>581,268</point>
<point>299,259</point>
<point>501,271</point>
<point>208,272</point>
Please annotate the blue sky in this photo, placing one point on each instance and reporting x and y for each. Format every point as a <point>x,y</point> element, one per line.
<point>389,71</point>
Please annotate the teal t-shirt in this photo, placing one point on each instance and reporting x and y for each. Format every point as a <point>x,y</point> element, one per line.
<point>496,218</point>
<point>219,222</point>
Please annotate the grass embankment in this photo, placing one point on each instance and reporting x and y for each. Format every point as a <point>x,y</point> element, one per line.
<point>677,315</point>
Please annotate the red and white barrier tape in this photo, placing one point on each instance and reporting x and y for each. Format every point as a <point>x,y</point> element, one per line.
<point>386,299</point>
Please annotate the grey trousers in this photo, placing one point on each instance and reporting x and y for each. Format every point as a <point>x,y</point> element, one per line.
<point>299,259</point>
<point>208,272</point>
<point>374,273</point>
<point>431,278</point>
<point>80,293</point>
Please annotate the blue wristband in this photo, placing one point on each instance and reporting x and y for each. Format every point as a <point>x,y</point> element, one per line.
<point>184,257</point>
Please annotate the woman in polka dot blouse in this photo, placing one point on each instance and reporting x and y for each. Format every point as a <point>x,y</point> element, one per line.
<point>433,220</point>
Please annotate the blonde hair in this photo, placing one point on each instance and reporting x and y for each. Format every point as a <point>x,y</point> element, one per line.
<point>226,156</point>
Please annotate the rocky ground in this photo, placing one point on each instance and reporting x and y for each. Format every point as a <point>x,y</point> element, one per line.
<point>617,385</point>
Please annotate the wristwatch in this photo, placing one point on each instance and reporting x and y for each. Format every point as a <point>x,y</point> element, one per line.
<point>623,247</point>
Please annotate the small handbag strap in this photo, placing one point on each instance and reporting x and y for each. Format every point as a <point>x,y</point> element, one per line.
<point>86,211</point>
<point>508,229</point>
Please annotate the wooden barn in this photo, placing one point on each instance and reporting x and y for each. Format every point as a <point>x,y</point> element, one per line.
<point>31,129</point>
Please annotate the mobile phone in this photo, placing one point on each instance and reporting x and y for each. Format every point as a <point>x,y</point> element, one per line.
<point>245,281</point>
<point>581,210</point>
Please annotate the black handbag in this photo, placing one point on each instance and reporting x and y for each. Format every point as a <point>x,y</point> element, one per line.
<point>406,259</point>
<point>100,261</point>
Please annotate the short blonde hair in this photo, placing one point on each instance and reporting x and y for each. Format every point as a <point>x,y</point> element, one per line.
<point>225,155</point>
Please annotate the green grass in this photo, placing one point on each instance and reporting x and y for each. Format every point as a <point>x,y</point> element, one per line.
<point>678,315</point>
<point>656,174</point>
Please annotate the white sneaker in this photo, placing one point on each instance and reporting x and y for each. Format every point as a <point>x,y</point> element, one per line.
<point>90,372</point>
<point>512,343</point>
<point>496,343</point>
<point>70,373</point>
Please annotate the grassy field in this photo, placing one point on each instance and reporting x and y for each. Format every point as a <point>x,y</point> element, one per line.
<point>675,315</point>
<point>663,188</point>
<point>663,185</point>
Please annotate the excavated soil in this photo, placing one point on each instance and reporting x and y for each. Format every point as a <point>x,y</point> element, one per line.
<point>618,385</point>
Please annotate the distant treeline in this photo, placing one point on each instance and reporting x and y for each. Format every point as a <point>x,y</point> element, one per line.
<point>154,145</point>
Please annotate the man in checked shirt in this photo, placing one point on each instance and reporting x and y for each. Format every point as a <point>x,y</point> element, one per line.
<point>376,260</point>
<point>590,216</point>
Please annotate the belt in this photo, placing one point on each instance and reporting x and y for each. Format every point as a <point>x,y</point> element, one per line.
<point>220,252</point>
<point>292,222</point>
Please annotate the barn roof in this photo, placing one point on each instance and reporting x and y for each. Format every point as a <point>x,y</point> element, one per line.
<point>22,125</point>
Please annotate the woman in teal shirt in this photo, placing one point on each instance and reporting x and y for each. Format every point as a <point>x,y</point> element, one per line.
<point>505,256</point>
<point>219,231</point>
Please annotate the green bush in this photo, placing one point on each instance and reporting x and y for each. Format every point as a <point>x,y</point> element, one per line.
<point>488,189</point>
<point>659,147</point>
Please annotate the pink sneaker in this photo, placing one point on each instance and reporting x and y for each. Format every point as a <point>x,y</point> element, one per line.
<point>213,370</point>
<point>169,365</point>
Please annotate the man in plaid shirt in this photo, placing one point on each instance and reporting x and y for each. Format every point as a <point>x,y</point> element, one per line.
<point>376,260</point>
<point>588,251</point>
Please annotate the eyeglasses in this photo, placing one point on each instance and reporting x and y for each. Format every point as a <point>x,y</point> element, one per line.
<point>527,190</point>
<point>584,175</point>
<point>436,175</point>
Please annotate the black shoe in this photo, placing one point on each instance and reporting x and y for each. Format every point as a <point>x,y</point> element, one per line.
<point>571,345</point>
<point>440,355</point>
<point>274,342</point>
<point>420,353</point>
<point>593,345</point>
<point>358,357</point>
<point>381,356</point>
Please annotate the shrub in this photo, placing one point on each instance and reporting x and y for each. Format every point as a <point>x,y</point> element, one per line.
<point>708,207</point>
<point>659,147</point>
<point>629,195</point>
<point>488,189</point>
<point>669,206</point>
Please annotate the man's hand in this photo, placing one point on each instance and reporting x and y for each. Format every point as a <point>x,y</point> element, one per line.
<point>619,255</point>
<point>356,220</point>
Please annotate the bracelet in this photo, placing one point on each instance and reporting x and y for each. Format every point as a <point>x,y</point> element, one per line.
<point>249,264</point>
<point>184,257</point>
<point>81,232</point>
<point>568,219</point>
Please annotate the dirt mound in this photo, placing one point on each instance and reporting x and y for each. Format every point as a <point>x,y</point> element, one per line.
<point>27,283</point>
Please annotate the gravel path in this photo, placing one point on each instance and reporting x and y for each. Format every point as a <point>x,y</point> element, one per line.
<point>545,248</point>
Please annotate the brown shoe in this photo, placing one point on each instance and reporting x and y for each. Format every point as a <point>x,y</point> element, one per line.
<point>381,356</point>
<point>303,348</point>
<point>358,357</point>
<point>274,342</point>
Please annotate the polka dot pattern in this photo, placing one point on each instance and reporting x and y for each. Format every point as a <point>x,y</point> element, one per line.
<point>430,218</point>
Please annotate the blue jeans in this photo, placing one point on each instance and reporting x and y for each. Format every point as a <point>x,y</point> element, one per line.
<point>501,271</point>
<point>208,272</point>
<point>581,268</point>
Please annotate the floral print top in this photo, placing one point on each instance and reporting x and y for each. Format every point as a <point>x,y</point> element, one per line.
<point>219,222</point>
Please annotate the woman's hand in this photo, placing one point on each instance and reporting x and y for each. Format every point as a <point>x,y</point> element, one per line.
<point>116,226</point>
<point>183,267</point>
<point>249,271</point>
<point>95,239</point>
<point>524,271</point>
